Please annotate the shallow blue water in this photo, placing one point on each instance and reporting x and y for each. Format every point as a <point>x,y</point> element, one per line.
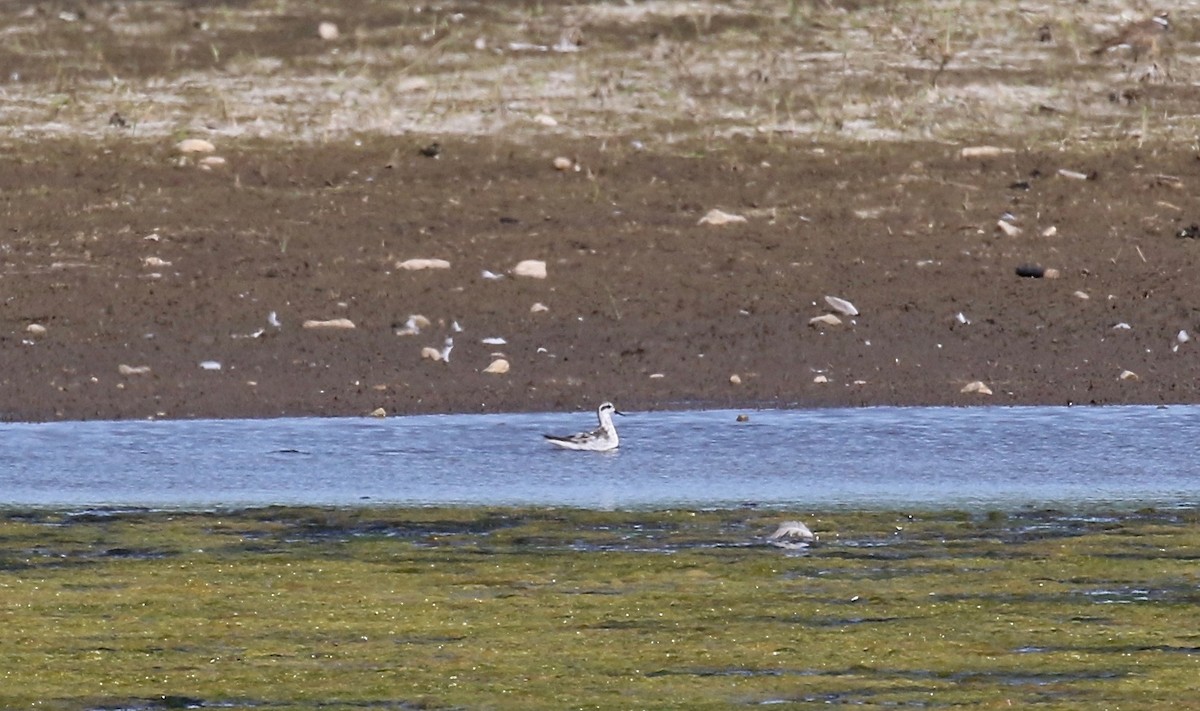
<point>971,458</point>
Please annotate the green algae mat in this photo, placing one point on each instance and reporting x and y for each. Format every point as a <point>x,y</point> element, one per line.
<point>565,609</point>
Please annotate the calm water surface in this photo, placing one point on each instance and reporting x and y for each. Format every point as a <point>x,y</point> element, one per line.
<point>972,458</point>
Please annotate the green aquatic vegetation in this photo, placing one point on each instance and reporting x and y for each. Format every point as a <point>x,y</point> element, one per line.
<point>539,608</point>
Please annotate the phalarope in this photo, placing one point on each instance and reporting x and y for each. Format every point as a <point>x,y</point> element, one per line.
<point>602,439</point>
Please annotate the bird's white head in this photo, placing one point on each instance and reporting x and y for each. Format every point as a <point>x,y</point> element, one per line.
<point>606,411</point>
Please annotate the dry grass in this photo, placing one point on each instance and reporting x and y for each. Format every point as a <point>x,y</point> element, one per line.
<point>656,71</point>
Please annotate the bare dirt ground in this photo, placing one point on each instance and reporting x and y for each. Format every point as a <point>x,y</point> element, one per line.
<point>836,129</point>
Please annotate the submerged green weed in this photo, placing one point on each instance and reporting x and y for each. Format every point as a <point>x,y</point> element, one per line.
<point>533,609</point>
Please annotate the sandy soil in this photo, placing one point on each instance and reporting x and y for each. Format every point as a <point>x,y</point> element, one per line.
<point>125,265</point>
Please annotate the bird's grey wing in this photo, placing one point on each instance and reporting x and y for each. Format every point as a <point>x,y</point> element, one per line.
<point>577,438</point>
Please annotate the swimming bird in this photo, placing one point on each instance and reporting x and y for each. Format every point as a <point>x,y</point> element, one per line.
<point>602,439</point>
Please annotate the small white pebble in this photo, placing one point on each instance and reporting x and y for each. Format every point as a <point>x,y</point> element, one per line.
<point>334,323</point>
<point>531,268</point>
<point>1008,228</point>
<point>420,264</point>
<point>499,366</point>
<point>195,145</point>
<point>719,217</point>
<point>825,320</point>
<point>328,31</point>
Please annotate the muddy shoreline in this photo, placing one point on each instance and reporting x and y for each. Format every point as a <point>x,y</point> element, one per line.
<point>142,282</point>
<point>140,270</point>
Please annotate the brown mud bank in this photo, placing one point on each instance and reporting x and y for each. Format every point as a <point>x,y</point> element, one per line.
<point>354,138</point>
<point>139,270</point>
